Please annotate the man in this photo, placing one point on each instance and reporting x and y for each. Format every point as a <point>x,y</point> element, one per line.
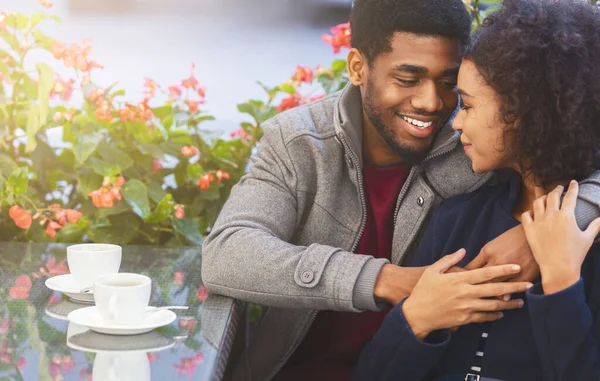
<point>340,189</point>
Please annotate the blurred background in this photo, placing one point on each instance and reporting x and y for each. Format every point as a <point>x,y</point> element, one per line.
<point>233,43</point>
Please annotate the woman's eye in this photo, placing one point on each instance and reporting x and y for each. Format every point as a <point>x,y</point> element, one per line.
<point>449,85</point>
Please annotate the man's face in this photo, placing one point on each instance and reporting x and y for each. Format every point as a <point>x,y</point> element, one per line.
<point>410,92</point>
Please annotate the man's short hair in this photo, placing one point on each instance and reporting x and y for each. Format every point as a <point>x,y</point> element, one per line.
<point>374,22</point>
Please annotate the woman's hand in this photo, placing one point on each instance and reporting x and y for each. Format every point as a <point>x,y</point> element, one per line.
<point>557,243</point>
<point>443,300</point>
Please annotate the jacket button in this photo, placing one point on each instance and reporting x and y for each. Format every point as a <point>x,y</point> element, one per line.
<point>420,201</point>
<point>307,276</point>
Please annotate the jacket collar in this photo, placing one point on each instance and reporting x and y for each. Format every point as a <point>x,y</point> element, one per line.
<point>348,120</point>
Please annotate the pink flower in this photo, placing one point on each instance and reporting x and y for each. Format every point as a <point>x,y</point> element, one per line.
<point>21,288</point>
<point>46,3</point>
<point>150,88</point>
<point>290,102</point>
<point>340,37</point>
<point>187,324</point>
<point>21,363</point>
<point>221,175</point>
<point>189,364</point>
<point>175,92</point>
<point>189,151</point>
<point>20,216</point>
<point>178,278</point>
<point>191,82</point>
<point>52,227</point>
<point>193,105</point>
<point>55,298</point>
<point>302,75</point>
<point>85,375</point>
<point>201,293</point>
<point>4,326</point>
<point>240,133</point>
<point>156,165</point>
<point>204,181</point>
<point>152,356</point>
<point>179,211</point>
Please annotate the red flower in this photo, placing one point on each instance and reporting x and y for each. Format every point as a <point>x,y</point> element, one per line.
<point>315,98</point>
<point>178,278</point>
<point>151,86</point>
<point>152,356</point>
<point>46,3</point>
<point>240,133</point>
<point>201,293</point>
<point>302,75</point>
<point>193,105</point>
<point>156,165</point>
<point>339,38</point>
<point>20,216</point>
<point>191,82</point>
<point>204,181</point>
<point>290,102</point>
<point>4,326</point>
<point>179,211</point>
<point>189,151</point>
<point>21,288</point>
<point>174,92</point>
<point>189,364</point>
<point>52,228</point>
<point>222,175</point>
<point>73,215</point>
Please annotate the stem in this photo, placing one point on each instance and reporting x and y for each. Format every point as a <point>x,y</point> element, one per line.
<point>476,12</point>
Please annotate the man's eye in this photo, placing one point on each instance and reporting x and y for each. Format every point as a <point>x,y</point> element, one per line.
<point>449,84</point>
<point>407,82</point>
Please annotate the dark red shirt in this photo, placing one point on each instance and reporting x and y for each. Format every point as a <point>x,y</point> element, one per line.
<point>333,343</point>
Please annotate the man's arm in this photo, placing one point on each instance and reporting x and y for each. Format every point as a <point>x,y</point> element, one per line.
<point>248,256</point>
<point>512,246</point>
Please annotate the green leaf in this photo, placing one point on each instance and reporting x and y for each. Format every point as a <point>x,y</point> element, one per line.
<point>188,228</point>
<point>7,165</point>
<point>73,232</point>
<point>19,180</point>
<point>163,210</point>
<point>10,39</point>
<point>167,122</point>
<point>155,191</point>
<point>56,18</point>
<point>3,67</point>
<point>194,171</point>
<point>123,229</point>
<point>151,149</point>
<point>338,66</point>
<point>33,126</point>
<point>88,181</point>
<point>288,88</point>
<point>136,195</point>
<point>103,168</point>
<point>17,20</point>
<point>45,84</point>
<point>162,112</point>
<point>114,156</point>
<point>42,40</point>
<point>36,18</point>
<point>86,144</point>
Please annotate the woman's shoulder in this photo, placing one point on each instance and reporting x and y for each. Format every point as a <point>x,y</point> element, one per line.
<point>477,199</point>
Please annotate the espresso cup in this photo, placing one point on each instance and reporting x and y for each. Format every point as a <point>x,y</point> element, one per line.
<point>122,298</point>
<point>88,261</point>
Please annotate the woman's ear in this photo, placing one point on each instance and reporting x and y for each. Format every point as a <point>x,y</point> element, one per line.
<point>357,65</point>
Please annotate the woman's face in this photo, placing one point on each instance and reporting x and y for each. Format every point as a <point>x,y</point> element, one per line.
<point>479,122</point>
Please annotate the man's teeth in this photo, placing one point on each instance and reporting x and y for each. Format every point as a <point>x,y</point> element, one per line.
<point>417,123</point>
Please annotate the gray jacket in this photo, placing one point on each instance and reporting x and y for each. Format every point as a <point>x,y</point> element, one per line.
<point>285,237</point>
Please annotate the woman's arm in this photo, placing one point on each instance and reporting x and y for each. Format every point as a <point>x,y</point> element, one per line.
<point>564,323</point>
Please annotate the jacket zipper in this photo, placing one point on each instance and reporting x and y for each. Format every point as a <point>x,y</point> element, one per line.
<point>361,192</point>
<point>354,245</point>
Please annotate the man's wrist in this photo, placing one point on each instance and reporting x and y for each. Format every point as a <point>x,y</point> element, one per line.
<point>414,321</point>
<point>395,283</point>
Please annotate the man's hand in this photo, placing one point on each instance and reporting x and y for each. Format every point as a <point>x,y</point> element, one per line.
<point>510,247</point>
<point>441,300</point>
<point>396,283</point>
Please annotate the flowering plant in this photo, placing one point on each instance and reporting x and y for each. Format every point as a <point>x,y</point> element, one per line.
<point>125,172</point>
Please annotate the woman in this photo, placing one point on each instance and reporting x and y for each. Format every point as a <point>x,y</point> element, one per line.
<point>530,89</point>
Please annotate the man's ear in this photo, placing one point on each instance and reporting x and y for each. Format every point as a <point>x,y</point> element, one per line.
<point>357,67</point>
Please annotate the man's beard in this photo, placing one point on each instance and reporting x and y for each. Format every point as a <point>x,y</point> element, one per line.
<point>409,155</point>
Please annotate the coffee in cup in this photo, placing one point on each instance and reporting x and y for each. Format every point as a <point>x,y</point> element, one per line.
<point>122,299</point>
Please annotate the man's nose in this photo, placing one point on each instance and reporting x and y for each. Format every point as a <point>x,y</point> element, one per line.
<point>428,99</point>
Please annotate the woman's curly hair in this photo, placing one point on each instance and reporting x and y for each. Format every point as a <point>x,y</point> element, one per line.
<point>542,57</point>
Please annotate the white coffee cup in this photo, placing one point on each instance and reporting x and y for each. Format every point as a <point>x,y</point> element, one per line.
<point>121,366</point>
<point>88,261</point>
<point>122,299</point>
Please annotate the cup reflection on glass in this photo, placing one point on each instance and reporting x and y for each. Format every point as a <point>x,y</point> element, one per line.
<point>88,261</point>
<point>122,299</point>
<point>121,366</point>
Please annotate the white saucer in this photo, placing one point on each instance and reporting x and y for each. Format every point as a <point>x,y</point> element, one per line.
<point>90,317</point>
<point>66,284</point>
<point>89,341</point>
